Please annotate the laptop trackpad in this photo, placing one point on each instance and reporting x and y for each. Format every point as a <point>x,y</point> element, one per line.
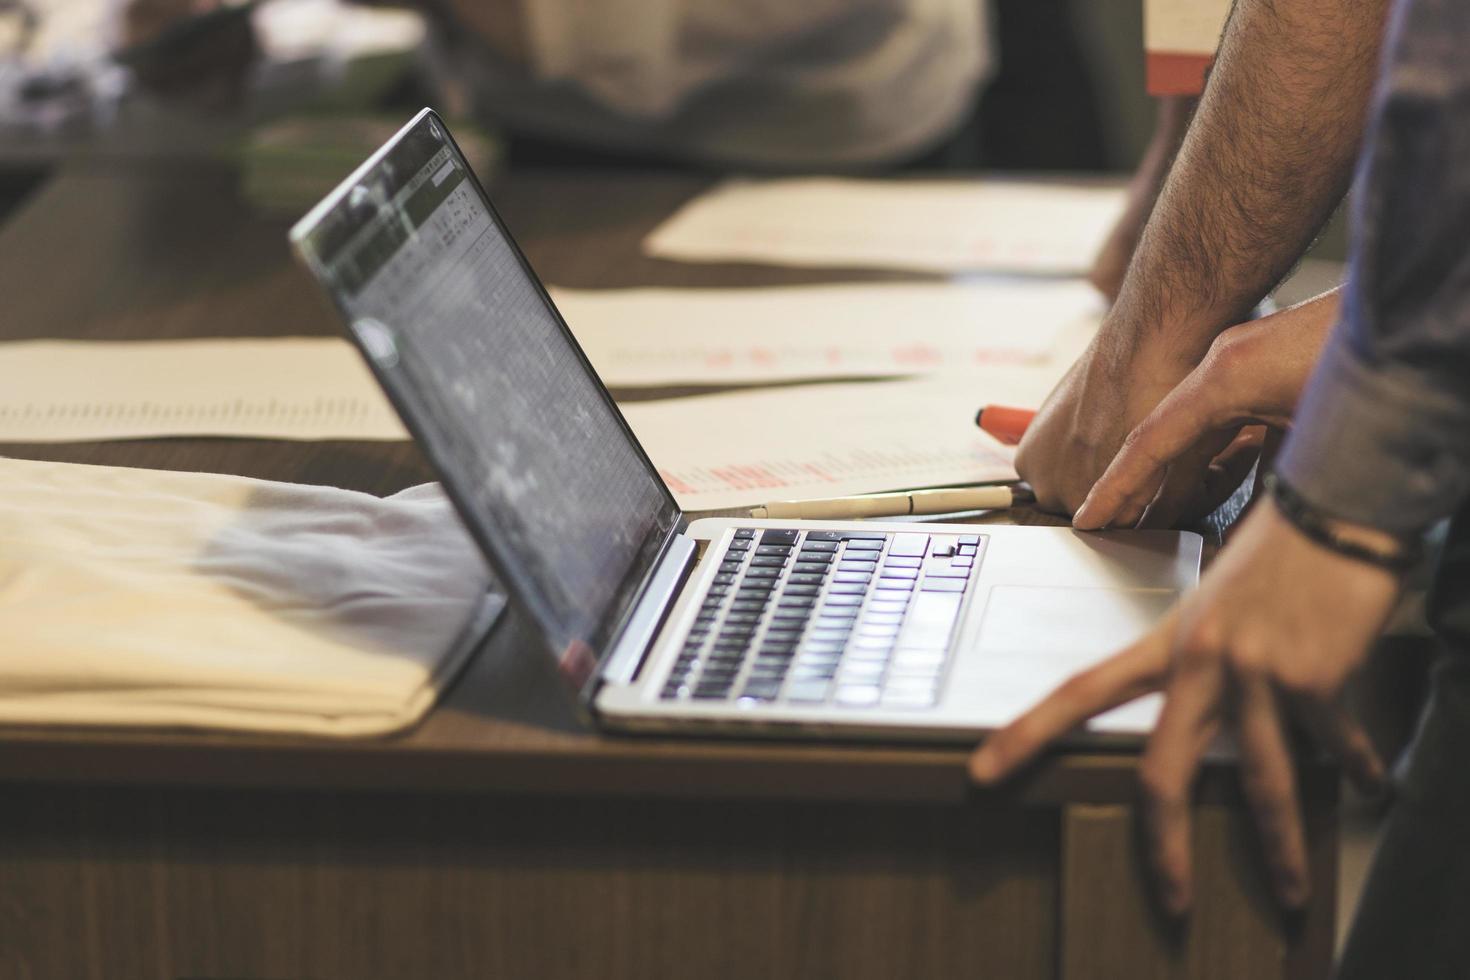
<point>1062,629</point>
<point>1033,638</point>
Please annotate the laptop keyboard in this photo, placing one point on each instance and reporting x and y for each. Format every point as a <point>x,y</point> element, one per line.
<point>851,618</point>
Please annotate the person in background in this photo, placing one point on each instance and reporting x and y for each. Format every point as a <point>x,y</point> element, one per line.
<point>764,84</point>
<point>1267,157</point>
<point>1379,451</point>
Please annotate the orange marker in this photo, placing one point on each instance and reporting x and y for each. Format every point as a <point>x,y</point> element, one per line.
<point>1007,424</point>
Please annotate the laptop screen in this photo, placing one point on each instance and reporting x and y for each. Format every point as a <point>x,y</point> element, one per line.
<point>544,470</point>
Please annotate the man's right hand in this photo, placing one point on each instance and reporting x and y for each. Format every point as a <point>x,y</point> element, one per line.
<point>1115,405</point>
<point>1253,375</point>
<point>1084,421</point>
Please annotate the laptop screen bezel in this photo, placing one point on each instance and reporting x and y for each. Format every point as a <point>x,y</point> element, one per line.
<point>483,527</point>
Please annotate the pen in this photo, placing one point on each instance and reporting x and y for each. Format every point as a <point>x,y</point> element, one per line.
<point>952,500</point>
<point>1007,425</point>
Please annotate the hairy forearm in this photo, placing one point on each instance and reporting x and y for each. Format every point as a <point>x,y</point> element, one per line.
<point>1267,158</point>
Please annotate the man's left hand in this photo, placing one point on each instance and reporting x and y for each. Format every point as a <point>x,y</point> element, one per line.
<point>1272,634</point>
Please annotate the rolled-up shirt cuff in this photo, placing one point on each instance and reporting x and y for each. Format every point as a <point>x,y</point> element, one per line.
<point>1378,445</point>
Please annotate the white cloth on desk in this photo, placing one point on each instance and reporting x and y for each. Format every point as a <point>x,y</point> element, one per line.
<point>149,598</point>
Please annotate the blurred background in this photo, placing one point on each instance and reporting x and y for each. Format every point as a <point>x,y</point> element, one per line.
<point>1051,85</point>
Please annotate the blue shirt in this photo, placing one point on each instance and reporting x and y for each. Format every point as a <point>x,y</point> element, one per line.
<point>1382,435</point>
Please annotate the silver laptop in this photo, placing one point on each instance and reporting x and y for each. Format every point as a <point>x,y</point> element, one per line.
<point>891,630</point>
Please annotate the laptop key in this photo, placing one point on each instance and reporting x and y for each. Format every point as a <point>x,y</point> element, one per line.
<point>814,557</point>
<point>761,690</point>
<point>809,568</point>
<point>793,618</point>
<point>847,588</point>
<point>773,549</point>
<point>774,536</point>
<point>863,671</point>
<point>944,568</point>
<point>745,532</point>
<point>824,535</point>
<point>767,561</point>
<point>860,577</point>
<point>725,578</point>
<point>889,572</point>
<point>856,695</point>
<point>882,617</point>
<point>807,691</point>
<point>756,573</point>
<point>730,566</point>
<point>862,545</point>
<point>805,578</point>
<point>800,590</point>
<point>903,561</point>
<point>739,544</point>
<point>912,545</point>
<point>811,544</point>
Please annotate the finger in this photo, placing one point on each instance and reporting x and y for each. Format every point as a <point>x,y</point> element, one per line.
<point>1269,447</point>
<point>1269,781</point>
<point>1340,733</point>
<point>1134,475</point>
<point>1119,679</point>
<point>1185,483</point>
<point>1186,726</point>
<point>1228,471</point>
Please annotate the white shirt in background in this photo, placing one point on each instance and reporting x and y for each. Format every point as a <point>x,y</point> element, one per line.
<point>765,83</point>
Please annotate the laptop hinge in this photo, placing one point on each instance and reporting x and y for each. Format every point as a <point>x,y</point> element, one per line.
<point>636,636</point>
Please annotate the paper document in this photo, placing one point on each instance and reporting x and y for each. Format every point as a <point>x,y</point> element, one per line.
<point>731,336</point>
<point>751,447</point>
<point>938,226</point>
<point>278,388</point>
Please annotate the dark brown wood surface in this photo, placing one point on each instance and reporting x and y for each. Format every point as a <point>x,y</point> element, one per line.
<point>501,837</point>
<point>168,253</point>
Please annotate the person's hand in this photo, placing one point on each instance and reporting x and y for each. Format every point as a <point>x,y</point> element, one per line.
<point>1192,451</point>
<point>1269,638</point>
<point>1111,262</point>
<point>1079,428</point>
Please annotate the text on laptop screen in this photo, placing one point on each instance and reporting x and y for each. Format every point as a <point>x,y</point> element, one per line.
<point>524,435</point>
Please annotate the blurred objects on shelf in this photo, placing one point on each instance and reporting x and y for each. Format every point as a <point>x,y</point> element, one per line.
<point>172,77</point>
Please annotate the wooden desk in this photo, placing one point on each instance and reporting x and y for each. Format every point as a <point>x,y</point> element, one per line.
<point>500,839</point>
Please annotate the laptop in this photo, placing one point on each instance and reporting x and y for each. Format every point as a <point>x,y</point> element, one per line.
<point>891,630</point>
